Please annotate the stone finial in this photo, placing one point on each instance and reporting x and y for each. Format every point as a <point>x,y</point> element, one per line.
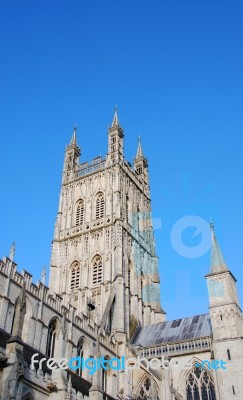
<point>12,251</point>
<point>43,275</point>
<point>74,136</point>
<point>211,225</point>
<point>139,150</point>
<point>115,121</point>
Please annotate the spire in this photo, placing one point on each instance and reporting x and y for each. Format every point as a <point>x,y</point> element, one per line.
<point>74,137</point>
<point>115,121</point>
<point>217,261</point>
<point>139,150</point>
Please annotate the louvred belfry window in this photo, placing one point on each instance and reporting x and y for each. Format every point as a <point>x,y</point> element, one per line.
<point>75,276</point>
<point>97,270</point>
<point>99,206</point>
<point>79,212</point>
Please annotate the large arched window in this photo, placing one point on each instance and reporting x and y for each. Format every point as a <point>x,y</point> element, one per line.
<point>99,206</point>
<point>79,213</point>
<point>51,338</point>
<point>75,275</point>
<point>97,270</point>
<point>199,385</point>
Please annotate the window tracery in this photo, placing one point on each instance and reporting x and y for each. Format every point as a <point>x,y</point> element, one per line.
<point>199,385</point>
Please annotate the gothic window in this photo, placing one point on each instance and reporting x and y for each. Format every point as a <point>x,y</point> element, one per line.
<point>79,213</point>
<point>145,390</point>
<point>104,377</point>
<point>80,353</point>
<point>75,275</point>
<point>51,338</point>
<point>99,206</point>
<point>97,270</point>
<point>199,385</point>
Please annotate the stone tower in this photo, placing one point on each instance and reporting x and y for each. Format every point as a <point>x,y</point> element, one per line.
<point>103,253</point>
<point>227,324</point>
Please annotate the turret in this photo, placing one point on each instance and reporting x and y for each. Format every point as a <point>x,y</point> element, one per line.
<point>141,165</point>
<point>71,161</point>
<point>115,140</point>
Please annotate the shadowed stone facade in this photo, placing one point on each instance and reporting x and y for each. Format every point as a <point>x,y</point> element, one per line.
<point>103,299</point>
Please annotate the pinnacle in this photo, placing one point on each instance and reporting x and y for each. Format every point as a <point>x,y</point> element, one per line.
<point>139,150</point>
<point>115,121</point>
<point>74,136</point>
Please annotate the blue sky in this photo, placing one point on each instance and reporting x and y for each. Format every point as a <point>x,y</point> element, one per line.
<point>174,68</point>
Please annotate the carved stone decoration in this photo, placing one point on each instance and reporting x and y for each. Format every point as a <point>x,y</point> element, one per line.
<point>52,386</point>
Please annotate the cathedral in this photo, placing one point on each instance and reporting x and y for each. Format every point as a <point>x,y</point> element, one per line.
<point>102,303</point>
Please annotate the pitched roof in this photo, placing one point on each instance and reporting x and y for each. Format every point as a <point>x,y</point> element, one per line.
<point>173,331</point>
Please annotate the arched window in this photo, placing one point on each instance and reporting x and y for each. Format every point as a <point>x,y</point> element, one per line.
<point>80,353</point>
<point>97,270</point>
<point>104,377</point>
<point>51,338</point>
<point>199,385</point>
<point>75,275</point>
<point>145,389</point>
<point>79,212</point>
<point>99,206</point>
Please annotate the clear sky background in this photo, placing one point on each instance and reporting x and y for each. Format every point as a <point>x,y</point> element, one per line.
<point>175,70</point>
